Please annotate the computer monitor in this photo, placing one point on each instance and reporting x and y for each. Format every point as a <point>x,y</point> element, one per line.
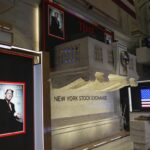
<point>140,97</point>
<point>145,97</point>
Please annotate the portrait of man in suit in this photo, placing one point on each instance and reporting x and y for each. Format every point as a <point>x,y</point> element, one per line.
<point>56,21</point>
<point>9,120</point>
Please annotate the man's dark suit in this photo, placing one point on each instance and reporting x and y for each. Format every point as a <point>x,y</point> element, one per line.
<point>55,27</point>
<point>8,122</point>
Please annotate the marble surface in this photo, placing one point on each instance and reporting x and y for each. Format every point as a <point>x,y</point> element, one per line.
<point>120,141</point>
<point>139,146</point>
<point>68,137</point>
<point>140,134</point>
<point>120,144</point>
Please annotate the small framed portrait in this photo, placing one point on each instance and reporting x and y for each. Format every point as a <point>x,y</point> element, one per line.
<point>12,108</point>
<point>56,22</point>
<point>108,37</point>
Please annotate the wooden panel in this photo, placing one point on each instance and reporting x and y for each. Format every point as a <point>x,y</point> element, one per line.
<point>46,102</point>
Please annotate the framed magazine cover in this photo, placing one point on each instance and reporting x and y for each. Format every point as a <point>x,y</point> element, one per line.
<point>12,108</point>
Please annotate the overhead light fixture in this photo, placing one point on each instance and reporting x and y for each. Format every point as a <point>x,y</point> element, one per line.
<point>36,27</point>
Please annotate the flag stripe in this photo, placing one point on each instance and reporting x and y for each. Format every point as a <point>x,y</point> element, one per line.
<point>146,106</point>
<point>146,102</point>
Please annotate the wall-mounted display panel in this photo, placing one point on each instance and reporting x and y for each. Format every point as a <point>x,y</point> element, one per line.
<point>140,97</point>
<point>16,101</point>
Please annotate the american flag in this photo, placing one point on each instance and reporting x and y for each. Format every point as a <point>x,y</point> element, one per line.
<point>145,97</point>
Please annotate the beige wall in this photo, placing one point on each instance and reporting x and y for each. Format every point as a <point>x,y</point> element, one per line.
<point>106,13</point>
<point>105,6</point>
<point>20,15</point>
<point>143,15</point>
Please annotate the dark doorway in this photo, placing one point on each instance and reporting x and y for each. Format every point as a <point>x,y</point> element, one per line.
<point>124,101</point>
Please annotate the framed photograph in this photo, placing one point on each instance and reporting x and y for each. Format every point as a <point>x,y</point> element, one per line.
<point>56,22</point>
<point>12,108</point>
<point>109,36</point>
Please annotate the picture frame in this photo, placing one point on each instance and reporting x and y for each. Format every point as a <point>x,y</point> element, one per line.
<point>56,22</point>
<point>12,108</point>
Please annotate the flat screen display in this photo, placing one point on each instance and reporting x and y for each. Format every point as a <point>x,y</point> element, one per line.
<point>145,97</point>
